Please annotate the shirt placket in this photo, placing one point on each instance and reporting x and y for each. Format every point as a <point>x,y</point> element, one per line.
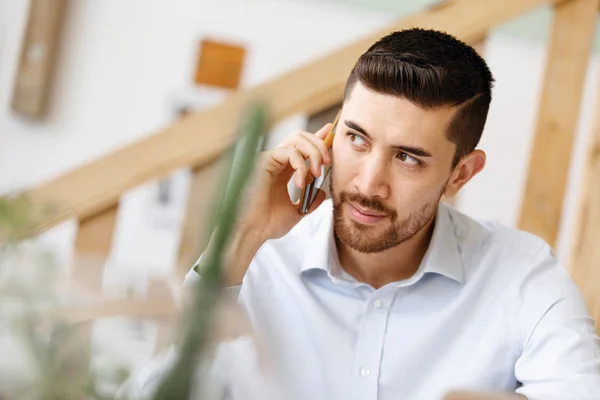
<point>369,351</point>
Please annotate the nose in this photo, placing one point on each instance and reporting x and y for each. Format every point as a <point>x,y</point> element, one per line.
<point>372,179</point>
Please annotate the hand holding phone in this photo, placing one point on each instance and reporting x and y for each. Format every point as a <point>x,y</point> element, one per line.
<point>268,213</point>
<point>310,190</point>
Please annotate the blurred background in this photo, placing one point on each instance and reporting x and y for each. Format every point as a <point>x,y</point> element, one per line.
<point>125,70</point>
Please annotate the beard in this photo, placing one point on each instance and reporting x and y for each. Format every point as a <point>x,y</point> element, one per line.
<point>372,239</point>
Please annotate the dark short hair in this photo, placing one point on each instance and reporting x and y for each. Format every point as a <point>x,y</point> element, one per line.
<point>431,69</point>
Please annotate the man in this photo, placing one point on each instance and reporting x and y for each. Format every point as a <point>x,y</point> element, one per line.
<point>382,291</point>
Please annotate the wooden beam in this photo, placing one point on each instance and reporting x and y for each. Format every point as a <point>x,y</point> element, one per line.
<point>203,136</point>
<point>92,248</point>
<point>118,308</point>
<point>38,57</point>
<point>585,254</point>
<point>194,233</point>
<point>573,32</point>
<point>479,45</point>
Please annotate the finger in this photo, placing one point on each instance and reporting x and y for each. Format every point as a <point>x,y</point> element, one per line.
<point>322,133</point>
<point>298,164</point>
<point>290,156</point>
<point>297,140</point>
<point>309,151</point>
<point>280,158</point>
<point>320,145</point>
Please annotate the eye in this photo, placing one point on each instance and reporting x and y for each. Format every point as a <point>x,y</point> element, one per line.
<point>357,140</point>
<point>408,159</point>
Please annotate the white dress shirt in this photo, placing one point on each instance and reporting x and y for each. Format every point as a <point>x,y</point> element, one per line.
<point>489,309</point>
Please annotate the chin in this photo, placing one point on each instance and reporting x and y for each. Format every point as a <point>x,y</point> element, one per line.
<point>367,239</point>
<point>360,227</point>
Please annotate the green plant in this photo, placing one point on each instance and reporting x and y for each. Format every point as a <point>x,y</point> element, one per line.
<point>56,357</point>
<point>45,356</point>
<point>198,316</point>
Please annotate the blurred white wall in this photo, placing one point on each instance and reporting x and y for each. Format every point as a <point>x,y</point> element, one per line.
<point>125,65</point>
<point>122,62</point>
<point>497,191</point>
<point>124,68</point>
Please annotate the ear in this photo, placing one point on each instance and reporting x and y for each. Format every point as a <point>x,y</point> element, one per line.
<point>469,166</point>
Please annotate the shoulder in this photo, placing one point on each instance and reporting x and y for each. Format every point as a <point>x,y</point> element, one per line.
<point>485,232</point>
<point>520,267</point>
<point>491,243</point>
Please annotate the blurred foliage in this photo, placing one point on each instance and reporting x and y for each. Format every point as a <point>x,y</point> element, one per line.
<point>19,217</point>
<point>57,356</point>
<point>46,357</point>
<point>15,217</point>
<point>198,316</point>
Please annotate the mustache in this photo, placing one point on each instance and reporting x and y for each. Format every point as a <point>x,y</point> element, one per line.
<point>369,203</point>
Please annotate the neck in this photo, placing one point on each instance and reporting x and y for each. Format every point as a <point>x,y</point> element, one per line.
<point>392,265</point>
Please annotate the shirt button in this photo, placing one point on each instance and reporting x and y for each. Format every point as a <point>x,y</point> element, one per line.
<point>365,372</point>
<point>377,303</point>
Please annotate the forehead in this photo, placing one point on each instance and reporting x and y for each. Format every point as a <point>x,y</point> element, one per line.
<point>397,121</point>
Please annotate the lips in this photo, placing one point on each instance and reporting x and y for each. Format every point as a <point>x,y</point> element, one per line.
<point>365,216</point>
<point>368,212</point>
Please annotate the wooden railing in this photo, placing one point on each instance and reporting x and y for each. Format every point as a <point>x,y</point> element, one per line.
<point>200,138</point>
<point>91,194</point>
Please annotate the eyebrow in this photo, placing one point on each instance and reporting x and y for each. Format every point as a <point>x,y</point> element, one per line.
<point>417,151</point>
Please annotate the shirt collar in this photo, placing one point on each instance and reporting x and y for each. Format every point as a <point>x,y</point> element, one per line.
<point>442,256</point>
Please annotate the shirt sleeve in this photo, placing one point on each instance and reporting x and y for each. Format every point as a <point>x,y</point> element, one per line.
<point>192,277</point>
<point>560,357</point>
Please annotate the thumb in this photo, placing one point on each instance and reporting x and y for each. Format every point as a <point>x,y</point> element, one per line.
<point>319,198</point>
<point>322,133</point>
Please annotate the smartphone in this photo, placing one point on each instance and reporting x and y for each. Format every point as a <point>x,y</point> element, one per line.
<point>310,190</point>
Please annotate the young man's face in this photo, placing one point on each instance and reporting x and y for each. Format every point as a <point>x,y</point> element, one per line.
<point>391,164</point>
